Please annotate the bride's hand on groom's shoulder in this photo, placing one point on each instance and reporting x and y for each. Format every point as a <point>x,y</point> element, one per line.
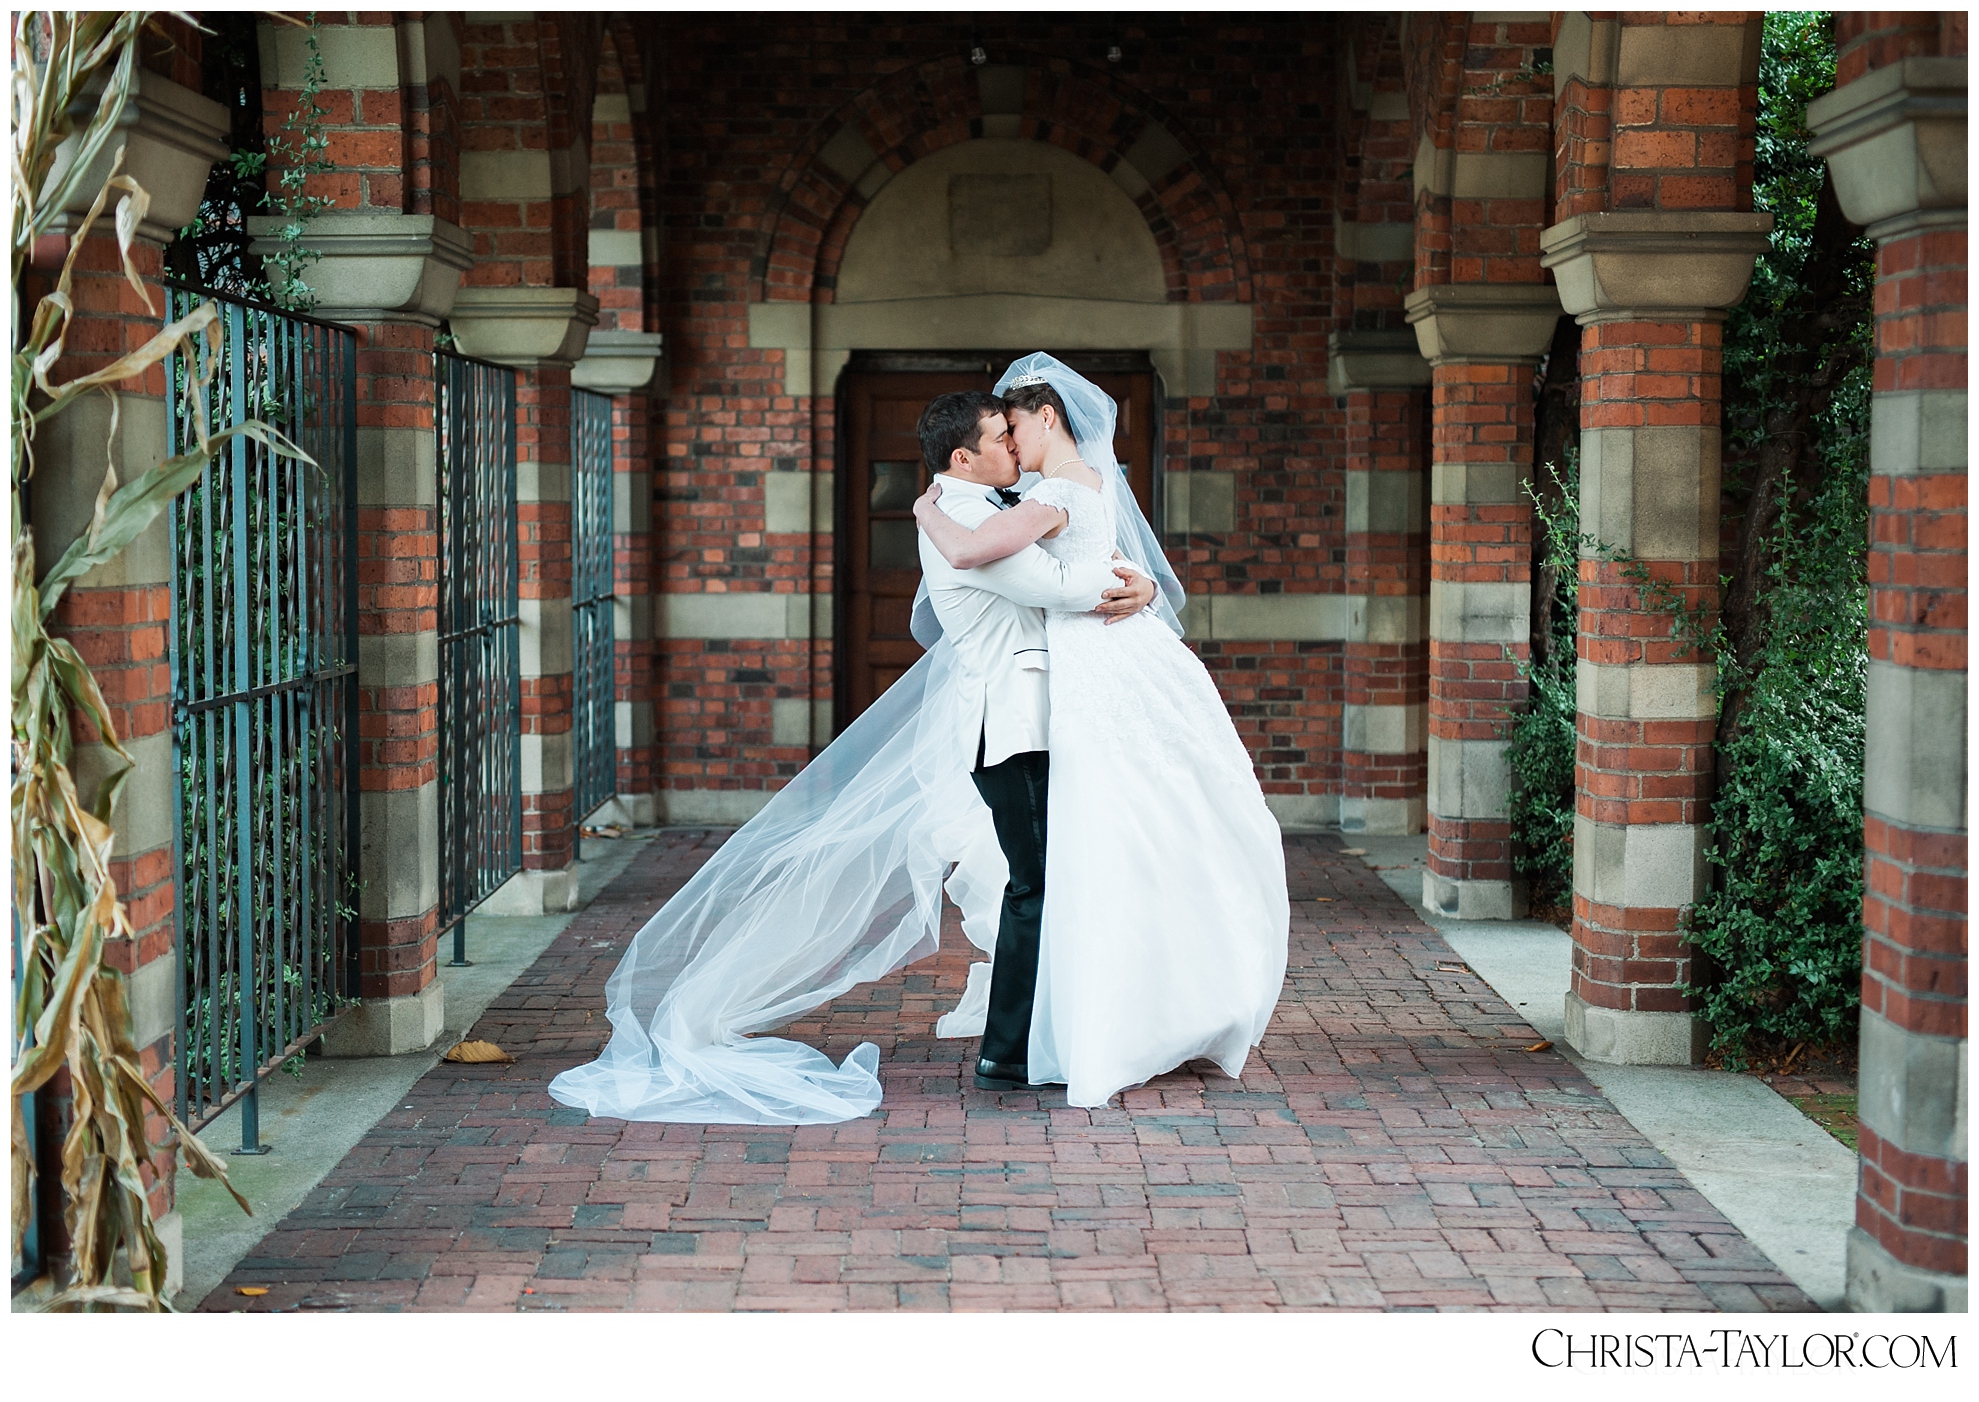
<point>925,502</point>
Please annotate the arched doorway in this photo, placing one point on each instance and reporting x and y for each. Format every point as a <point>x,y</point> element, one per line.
<point>976,254</point>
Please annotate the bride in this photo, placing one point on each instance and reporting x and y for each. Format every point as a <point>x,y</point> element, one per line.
<point>1166,913</point>
<point>1165,910</point>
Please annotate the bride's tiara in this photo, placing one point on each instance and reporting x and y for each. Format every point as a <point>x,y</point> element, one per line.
<point>1025,381</point>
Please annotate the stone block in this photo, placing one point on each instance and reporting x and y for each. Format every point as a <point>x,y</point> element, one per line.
<point>378,266</point>
<point>1912,1088</point>
<point>1386,503</point>
<point>396,467</point>
<point>1001,88</point>
<point>153,992</point>
<point>632,724</point>
<point>1355,242</point>
<point>1384,730</point>
<point>1654,866</point>
<point>1687,55</point>
<point>1296,812</point>
<point>69,463</point>
<point>1387,618</point>
<point>389,1026</point>
<point>618,362</point>
<point>147,812</point>
<point>1878,1283</point>
<point>1374,359</point>
<point>1480,613</point>
<point>1266,617</point>
<point>1204,502</point>
<point>1895,140</point>
<point>848,152</point>
<point>171,136</point>
<point>398,659</point>
<point>1477,484</point>
<point>1468,778</point>
<point>787,502</point>
<point>508,176</point>
<point>1917,432</point>
<point>1471,900</point>
<point>535,893</point>
<point>523,326</point>
<point>354,55</point>
<point>1664,692</point>
<point>548,644</point>
<point>399,852</point>
<point>1382,817</point>
<point>1625,1037</point>
<point>548,763</point>
<point>1913,769</point>
<point>1651,491</point>
<point>1685,264</point>
<point>1487,322</point>
<point>714,808</point>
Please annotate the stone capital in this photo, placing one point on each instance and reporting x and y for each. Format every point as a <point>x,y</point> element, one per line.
<point>171,137</point>
<point>1374,360</point>
<point>1493,322</point>
<point>376,265</point>
<point>1667,265</point>
<point>618,362</point>
<point>524,327</point>
<point>1894,140</point>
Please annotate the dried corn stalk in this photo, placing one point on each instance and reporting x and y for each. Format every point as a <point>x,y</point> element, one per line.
<point>71,1012</point>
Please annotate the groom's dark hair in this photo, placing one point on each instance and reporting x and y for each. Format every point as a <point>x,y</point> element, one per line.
<point>954,421</point>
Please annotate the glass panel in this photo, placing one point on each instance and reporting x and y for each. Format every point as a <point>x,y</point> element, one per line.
<point>895,485</point>
<point>894,547</point>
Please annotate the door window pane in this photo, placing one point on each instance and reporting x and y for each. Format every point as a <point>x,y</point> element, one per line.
<point>895,485</point>
<point>894,546</point>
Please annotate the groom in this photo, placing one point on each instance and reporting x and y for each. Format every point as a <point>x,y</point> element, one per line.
<point>995,616</point>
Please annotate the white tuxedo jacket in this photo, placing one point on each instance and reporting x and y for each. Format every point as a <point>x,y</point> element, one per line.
<point>995,616</point>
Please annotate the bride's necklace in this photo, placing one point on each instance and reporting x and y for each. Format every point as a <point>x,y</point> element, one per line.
<point>1052,471</point>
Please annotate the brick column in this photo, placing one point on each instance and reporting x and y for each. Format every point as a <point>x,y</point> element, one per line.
<point>389,259</point>
<point>1482,342</point>
<point>1651,289</point>
<point>1895,142</point>
<point>1384,724</point>
<point>117,615</point>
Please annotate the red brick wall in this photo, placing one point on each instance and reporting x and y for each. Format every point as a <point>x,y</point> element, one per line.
<point>746,102</point>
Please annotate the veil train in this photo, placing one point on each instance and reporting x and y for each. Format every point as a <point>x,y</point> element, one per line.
<point>838,881</point>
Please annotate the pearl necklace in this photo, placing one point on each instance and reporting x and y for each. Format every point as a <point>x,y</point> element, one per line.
<point>1067,462</point>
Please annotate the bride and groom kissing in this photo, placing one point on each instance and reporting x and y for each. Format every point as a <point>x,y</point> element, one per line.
<point>1111,848</point>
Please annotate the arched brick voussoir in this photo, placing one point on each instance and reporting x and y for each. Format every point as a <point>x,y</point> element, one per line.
<point>926,109</point>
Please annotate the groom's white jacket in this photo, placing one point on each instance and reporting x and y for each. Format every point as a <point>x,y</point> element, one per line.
<point>994,614</point>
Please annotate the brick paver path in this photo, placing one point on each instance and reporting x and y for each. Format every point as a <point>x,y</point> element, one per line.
<point>1395,1148</point>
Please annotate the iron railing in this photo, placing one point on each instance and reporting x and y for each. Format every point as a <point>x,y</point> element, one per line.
<point>480,638</point>
<point>263,656</point>
<point>594,723</point>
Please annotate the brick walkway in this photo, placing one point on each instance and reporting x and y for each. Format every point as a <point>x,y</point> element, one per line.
<point>1397,1148</point>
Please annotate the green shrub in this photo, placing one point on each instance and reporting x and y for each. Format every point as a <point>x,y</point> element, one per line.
<point>1541,754</point>
<point>1780,933</point>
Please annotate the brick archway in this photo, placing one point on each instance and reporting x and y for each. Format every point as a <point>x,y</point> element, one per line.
<point>832,177</point>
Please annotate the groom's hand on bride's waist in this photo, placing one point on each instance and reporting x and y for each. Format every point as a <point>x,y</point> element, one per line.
<point>1134,593</point>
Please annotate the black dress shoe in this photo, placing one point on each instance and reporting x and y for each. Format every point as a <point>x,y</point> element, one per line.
<point>1001,1075</point>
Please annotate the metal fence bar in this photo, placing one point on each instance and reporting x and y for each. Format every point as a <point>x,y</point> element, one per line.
<point>480,630</point>
<point>263,659</point>
<point>594,723</point>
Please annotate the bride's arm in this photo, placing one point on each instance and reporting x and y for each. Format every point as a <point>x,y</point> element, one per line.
<point>1001,536</point>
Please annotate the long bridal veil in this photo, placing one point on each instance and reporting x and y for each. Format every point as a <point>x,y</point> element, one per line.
<point>838,881</point>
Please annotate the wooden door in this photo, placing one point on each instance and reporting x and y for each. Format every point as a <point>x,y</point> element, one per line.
<point>879,554</point>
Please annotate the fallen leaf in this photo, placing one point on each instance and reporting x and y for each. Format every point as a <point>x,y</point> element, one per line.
<point>1448,968</point>
<point>1540,1046</point>
<point>250,1290</point>
<point>1324,900</point>
<point>1353,851</point>
<point>476,1052</point>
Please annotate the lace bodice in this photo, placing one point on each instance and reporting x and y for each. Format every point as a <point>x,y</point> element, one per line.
<point>1089,534</point>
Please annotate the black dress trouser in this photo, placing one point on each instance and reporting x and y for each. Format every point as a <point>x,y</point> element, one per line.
<point>1015,793</point>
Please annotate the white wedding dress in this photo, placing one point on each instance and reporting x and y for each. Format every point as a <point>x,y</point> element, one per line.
<point>1165,915</point>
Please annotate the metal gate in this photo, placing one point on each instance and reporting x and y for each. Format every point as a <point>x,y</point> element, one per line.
<point>595,730</point>
<point>263,655</point>
<point>480,638</point>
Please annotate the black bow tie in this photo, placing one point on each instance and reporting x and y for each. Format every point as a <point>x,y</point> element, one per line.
<point>1006,496</point>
